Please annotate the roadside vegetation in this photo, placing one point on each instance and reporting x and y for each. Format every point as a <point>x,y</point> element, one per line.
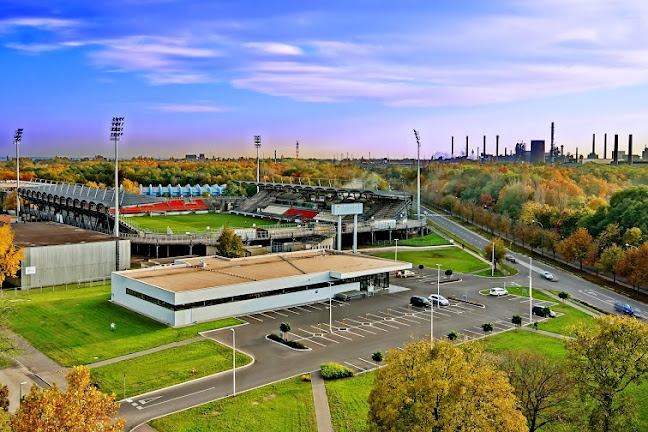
<point>73,327</point>
<point>451,258</point>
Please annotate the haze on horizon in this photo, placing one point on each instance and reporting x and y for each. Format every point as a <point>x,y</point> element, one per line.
<point>338,76</point>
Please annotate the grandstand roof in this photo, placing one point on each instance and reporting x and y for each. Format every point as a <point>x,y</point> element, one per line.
<point>306,188</point>
<point>219,271</point>
<point>51,233</point>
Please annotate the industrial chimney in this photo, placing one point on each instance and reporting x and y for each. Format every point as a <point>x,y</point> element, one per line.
<point>466,146</point>
<point>452,148</point>
<point>605,146</point>
<point>551,158</point>
<point>496,147</point>
<point>615,155</point>
<point>630,150</point>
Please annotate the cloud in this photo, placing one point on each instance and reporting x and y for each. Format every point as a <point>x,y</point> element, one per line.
<point>189,108</point>
<point>38,22</point>
<point>275,48</point>
<point>33,47</point>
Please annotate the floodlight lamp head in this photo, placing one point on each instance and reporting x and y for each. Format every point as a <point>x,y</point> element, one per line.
<point>257,141</point>
<point>18,135</point>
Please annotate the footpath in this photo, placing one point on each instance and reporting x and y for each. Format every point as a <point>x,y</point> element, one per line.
<point>320,400</point>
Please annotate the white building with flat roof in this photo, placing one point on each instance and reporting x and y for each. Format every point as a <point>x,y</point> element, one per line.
<point>209,288</point>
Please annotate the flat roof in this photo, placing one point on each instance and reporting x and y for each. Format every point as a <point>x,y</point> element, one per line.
<point>31,234</point>
<point>219,271</point>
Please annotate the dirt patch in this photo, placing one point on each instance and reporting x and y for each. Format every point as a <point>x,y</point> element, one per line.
<point>269,397</point>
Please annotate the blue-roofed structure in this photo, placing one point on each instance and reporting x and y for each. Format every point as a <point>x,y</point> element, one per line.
<point>183,191</point>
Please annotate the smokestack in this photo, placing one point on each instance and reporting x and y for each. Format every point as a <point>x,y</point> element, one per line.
<point>478,155</point>
<point>275,156</point>
<point>551,159</point>
<point>576,154</point>
<point>605,146</point>
<point>466,146</point>
<point>496,146</point>
<point>484,146</point>
<point>452,147</point>
<point>593,143</point>
<point>505,151</point>
<point>615,155</point>
<point>630,149</point>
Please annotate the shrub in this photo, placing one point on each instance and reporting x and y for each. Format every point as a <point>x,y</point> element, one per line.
<point>453,335</point>
<point>284,327</point>
<point>488,326</point>
<point>517,320</point>
<point>377,356</point>
<point>305,377</point>
<point>335,371</point>
<point>292,344</point>
<point>448,272</point>
<point>563,295</point>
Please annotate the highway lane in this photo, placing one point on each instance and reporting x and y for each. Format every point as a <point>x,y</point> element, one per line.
<point>393,323</point>
<point>574,285</point>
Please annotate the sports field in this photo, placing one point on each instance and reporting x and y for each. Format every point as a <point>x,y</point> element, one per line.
<point>180,224</point>
<point>73,327</point>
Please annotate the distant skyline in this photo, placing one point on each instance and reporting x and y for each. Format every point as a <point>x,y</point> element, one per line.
<point>339,77</point>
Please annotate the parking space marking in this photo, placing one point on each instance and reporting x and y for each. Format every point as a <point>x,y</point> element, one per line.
<point>278,313</point>
<point>324,337</point>
<point>354,366</point>
<point>385,324</point>
<point>310,334</point>
<point>374,326</point>
<point>292,311</point>
<point>260,313</point>
<point>339,335</point>
<point>311,306</point>
<point>302,309</point>
<point>364,329</point>
<point>254,318</point>
<point>367,361</point>
<point>473,332</point>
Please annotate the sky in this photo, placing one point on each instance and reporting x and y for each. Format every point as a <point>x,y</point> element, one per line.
<point>341,77</point>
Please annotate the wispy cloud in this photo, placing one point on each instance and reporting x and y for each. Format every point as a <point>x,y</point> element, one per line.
<point>189,108</point>
<point>43,23</point>
<point>275,48</point>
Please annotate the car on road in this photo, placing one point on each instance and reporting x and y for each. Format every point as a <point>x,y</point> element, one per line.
<point>439,299</point>
<point>511,259</point>
<point>420,302</point>
<point>498,292</point>
<point>405,273</point>
<point>346,296</point>
<point>547,275</point>
<point>543,311</point>
<point>624,308</point>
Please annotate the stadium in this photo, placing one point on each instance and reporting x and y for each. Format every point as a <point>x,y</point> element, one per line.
<point>282,216</point>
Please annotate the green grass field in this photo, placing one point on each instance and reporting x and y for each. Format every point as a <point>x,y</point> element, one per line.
<point>450,258</point>
<point>285,406</point>
<point>73,327</point>
<point>522,340</point>
<point>165,368</point>
<point>487,273</point>
<point>348,402</point>
<point>180,224</point>
<point>431,239</point>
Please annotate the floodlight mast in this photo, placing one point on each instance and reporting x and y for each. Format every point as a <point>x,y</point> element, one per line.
<point>116,131</point>
<point>17,139</point>
<point>257,144</point>
<point>418,175</point>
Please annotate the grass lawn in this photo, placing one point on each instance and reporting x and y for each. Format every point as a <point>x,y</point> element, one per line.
<point>165,368</point>
<point>283,406</point>
<point>431,239</point>
<point>564,324</point>
<point>348,402</point>
<point>180,224</point>
<point>522,340</point>
<point>73,327</point>
<point>450,258</point>
<point>487,273</point>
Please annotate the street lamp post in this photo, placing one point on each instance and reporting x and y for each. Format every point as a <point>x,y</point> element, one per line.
<point>396,252</point>
<point>116,131</point>
<point>21,391</point>
<point>541,238</point>
<point>431,323</point>
<point>233,362</point>
<point>493,260</point>
<point>530,290</point>
<point>257,144</point>
<point>438,283</point>
<point>17,139</point>
<point>330,284</point>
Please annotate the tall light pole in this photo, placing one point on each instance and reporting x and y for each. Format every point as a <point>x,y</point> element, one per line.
<point>418,176</point>
<point>541,238</point>
<point>431,323</point>
<point>21,391</point>
<point>530,290</point>
<point>257,144</point>
<point>116,131</point>
<point>438,283</point>
<point>330,307</point>
<point>493,259</point>
<point>396,252</point>
<point>233,362</point>
<point>17,139</point>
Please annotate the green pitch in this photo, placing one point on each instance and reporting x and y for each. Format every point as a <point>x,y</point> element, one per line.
<point>180,224</point>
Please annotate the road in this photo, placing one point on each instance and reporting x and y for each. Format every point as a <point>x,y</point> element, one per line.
<point>360,327</point>
<point>574,285</point>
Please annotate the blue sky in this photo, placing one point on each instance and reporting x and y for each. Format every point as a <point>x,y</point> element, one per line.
<point>339,76</point>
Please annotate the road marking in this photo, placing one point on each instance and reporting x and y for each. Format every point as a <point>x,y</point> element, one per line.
<point>181,397</point>
<point>302,309</point>
<point>129,400</point>
<point>254,318</point>
<point>292,311</point>
<point>367,361</point>
<point>260,313</point>
<point>148,400</point>
<point>374,325</point>
<point>385,324</point>
<point>311,306</point>
<point>278,313</point>
<point>473,332</point>
<point>307,340</point>
<point>323,337</point>
<point>364,329</point>
<point>357,367</point>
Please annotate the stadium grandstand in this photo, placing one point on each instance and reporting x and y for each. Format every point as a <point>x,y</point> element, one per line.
<point>183,191</point>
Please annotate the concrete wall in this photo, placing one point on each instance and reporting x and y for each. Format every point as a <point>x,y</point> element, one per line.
<point>158,313</point>
<point>71,263</point>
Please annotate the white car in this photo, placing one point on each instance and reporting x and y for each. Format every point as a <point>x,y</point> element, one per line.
<point>498,292</point>
<point>547,275</point>
<point>439,299</point>
<point>405,273</point>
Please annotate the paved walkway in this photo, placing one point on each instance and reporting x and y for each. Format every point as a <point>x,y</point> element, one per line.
<point>145,352</point>
<point>46,371</point>
<point>546,333</point>
<point>322,411</point>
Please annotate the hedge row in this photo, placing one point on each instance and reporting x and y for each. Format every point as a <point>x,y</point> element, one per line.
<point>335,371</point>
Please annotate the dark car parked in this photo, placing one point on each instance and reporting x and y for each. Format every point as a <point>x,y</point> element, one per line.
<point>543,311</point>
<point>420,301</point>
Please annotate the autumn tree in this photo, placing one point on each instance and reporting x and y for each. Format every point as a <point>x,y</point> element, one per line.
<point>606,359</point>
<point>577,246</point>
<point>10,256</point>
<point>610,259</point>
<point>82,407</point>
<point>500,250</point>
<point>442,387</point>
<point>131,186</point>
<point>10,201</point>
<point>611,235</point>
<point>541,385</point>
<point>634,265</point>
<point>632,237</point>
<point>230,245</point>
